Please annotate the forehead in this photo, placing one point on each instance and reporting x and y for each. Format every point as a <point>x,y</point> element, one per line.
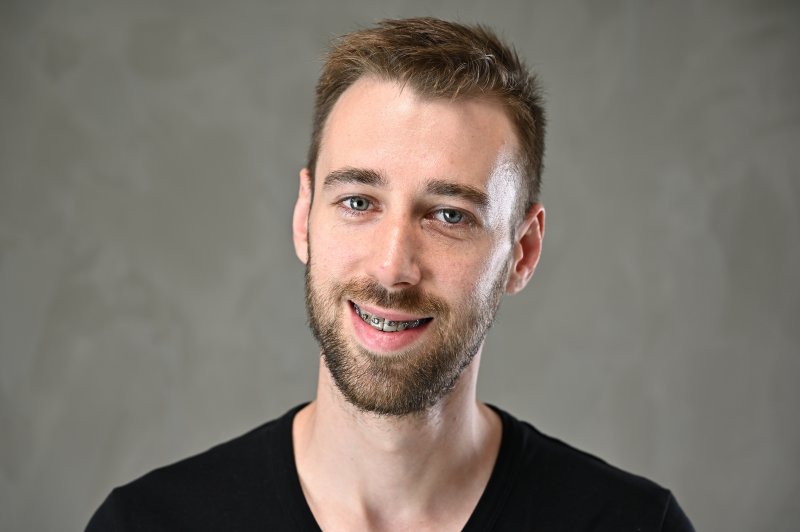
<point>384,126</point>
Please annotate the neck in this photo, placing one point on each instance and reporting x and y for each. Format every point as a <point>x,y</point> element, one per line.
<point>360,470</point>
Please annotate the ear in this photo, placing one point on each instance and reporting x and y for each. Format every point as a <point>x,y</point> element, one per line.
<point>302,209</point>
<point>527,249</point>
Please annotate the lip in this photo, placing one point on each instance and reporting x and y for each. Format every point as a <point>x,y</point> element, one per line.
<point>379,341</point>
<point>388,314</point>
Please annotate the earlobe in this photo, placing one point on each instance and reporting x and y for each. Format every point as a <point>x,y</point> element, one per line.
<point>302,209</point>
<point>527,249</point>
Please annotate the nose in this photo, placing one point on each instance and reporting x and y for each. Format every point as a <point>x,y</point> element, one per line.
<point>395,251</point>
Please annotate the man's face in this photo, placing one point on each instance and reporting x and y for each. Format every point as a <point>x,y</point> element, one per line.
<point>409,241</point>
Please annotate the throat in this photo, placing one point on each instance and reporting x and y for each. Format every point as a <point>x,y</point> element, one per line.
<point>435,487</point>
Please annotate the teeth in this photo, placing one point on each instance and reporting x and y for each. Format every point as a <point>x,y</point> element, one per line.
<point>383,324</point>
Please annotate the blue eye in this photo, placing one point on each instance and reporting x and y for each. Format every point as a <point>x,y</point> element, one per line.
<point>450,216</point>
<point>358,203</point>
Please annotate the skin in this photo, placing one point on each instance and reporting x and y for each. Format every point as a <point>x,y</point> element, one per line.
<point>424,471</point>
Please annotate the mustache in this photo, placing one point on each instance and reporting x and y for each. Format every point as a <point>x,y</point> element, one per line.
<point>412,300</point>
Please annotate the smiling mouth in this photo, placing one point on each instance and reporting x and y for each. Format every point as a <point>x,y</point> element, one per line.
<point>382,324</point>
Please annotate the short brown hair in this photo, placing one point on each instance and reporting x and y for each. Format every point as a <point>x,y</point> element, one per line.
<point>437,58</point>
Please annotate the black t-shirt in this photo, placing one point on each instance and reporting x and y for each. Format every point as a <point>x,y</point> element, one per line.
<point>251,483</point>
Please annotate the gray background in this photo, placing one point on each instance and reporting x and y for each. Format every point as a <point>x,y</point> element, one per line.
<point>151,303</point>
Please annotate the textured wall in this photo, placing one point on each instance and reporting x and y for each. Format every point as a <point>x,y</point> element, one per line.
<point>150,301</point>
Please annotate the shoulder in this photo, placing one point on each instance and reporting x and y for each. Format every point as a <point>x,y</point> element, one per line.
<point>211,490</point>
<point>573,488</point>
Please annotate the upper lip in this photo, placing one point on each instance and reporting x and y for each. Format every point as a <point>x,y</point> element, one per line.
<point>392,315</point>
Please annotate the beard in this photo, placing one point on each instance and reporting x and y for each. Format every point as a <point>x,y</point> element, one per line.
<point>411,380</point>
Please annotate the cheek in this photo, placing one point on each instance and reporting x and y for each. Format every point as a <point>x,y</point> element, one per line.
<point>333,256</point>
<point>495,266</point>
<point>474,278</point>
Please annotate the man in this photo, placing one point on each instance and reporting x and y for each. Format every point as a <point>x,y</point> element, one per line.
<point>417,211</point>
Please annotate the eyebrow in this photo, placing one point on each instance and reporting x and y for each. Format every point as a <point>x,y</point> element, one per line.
<point>472,194</point>
<point>436,187</point>
<point>361,176</point>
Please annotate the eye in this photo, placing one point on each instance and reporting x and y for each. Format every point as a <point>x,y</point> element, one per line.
<point>357,203</point>
<point>450,216</point>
